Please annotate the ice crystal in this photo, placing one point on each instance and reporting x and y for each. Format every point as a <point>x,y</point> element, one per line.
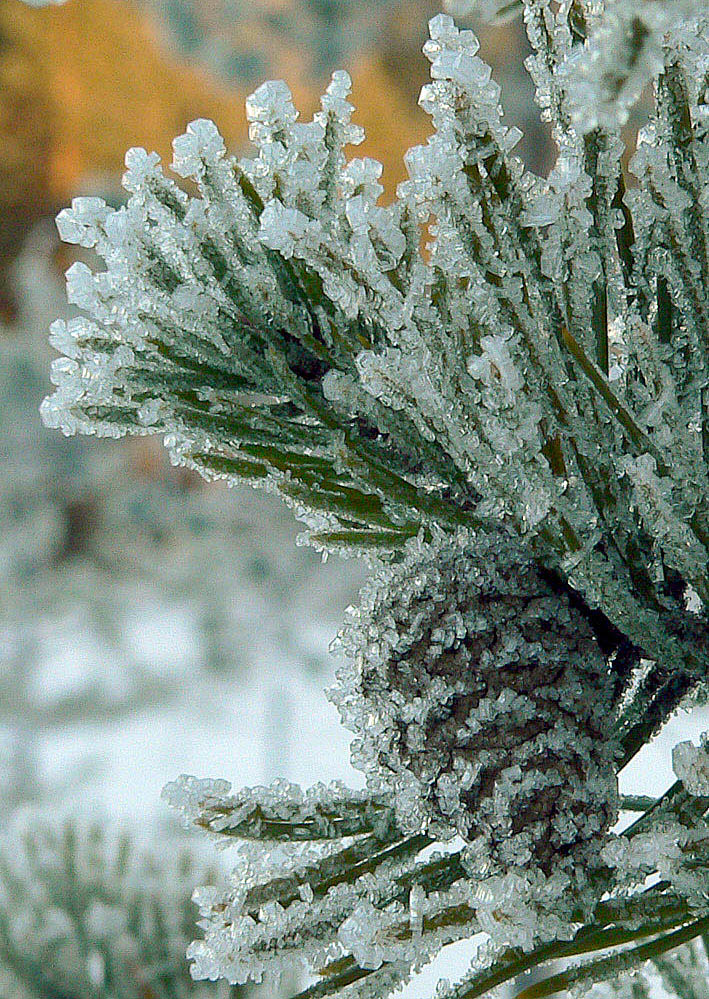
<point>337,887</point>
<point>691,765</point>
<point>280,811</point>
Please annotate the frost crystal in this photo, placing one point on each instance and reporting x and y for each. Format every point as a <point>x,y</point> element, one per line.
<point>691,765</point>
<point>280,811</point>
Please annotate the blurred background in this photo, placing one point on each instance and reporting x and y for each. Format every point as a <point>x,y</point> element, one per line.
<point>151,624</point>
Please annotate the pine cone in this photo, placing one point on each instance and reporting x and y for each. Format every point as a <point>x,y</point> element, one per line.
<point>481,700</point>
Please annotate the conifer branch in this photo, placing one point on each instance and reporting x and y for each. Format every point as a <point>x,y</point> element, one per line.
<point>512,426</point>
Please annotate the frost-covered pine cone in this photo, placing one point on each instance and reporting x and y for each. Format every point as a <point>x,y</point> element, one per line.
<point>480,697</point>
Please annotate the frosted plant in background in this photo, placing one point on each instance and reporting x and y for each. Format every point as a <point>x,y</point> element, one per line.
<point>511,424</point>
<point>86,912</point>
<point>103,553</point>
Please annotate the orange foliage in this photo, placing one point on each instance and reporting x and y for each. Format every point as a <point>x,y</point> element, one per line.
<point>103,83</point>
<point>24,144</point>
<point>80,83</point>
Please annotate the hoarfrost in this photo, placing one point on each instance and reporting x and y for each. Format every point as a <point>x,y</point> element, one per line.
<point>511,422</point>
<point>691,765</point>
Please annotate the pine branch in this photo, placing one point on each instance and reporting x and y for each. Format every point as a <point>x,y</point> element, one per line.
<point>511,424</point>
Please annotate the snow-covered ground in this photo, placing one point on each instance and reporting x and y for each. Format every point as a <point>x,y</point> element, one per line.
<point>276,723</point>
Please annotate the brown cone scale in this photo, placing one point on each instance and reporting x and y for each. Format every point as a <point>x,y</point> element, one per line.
<point>480,698</point>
